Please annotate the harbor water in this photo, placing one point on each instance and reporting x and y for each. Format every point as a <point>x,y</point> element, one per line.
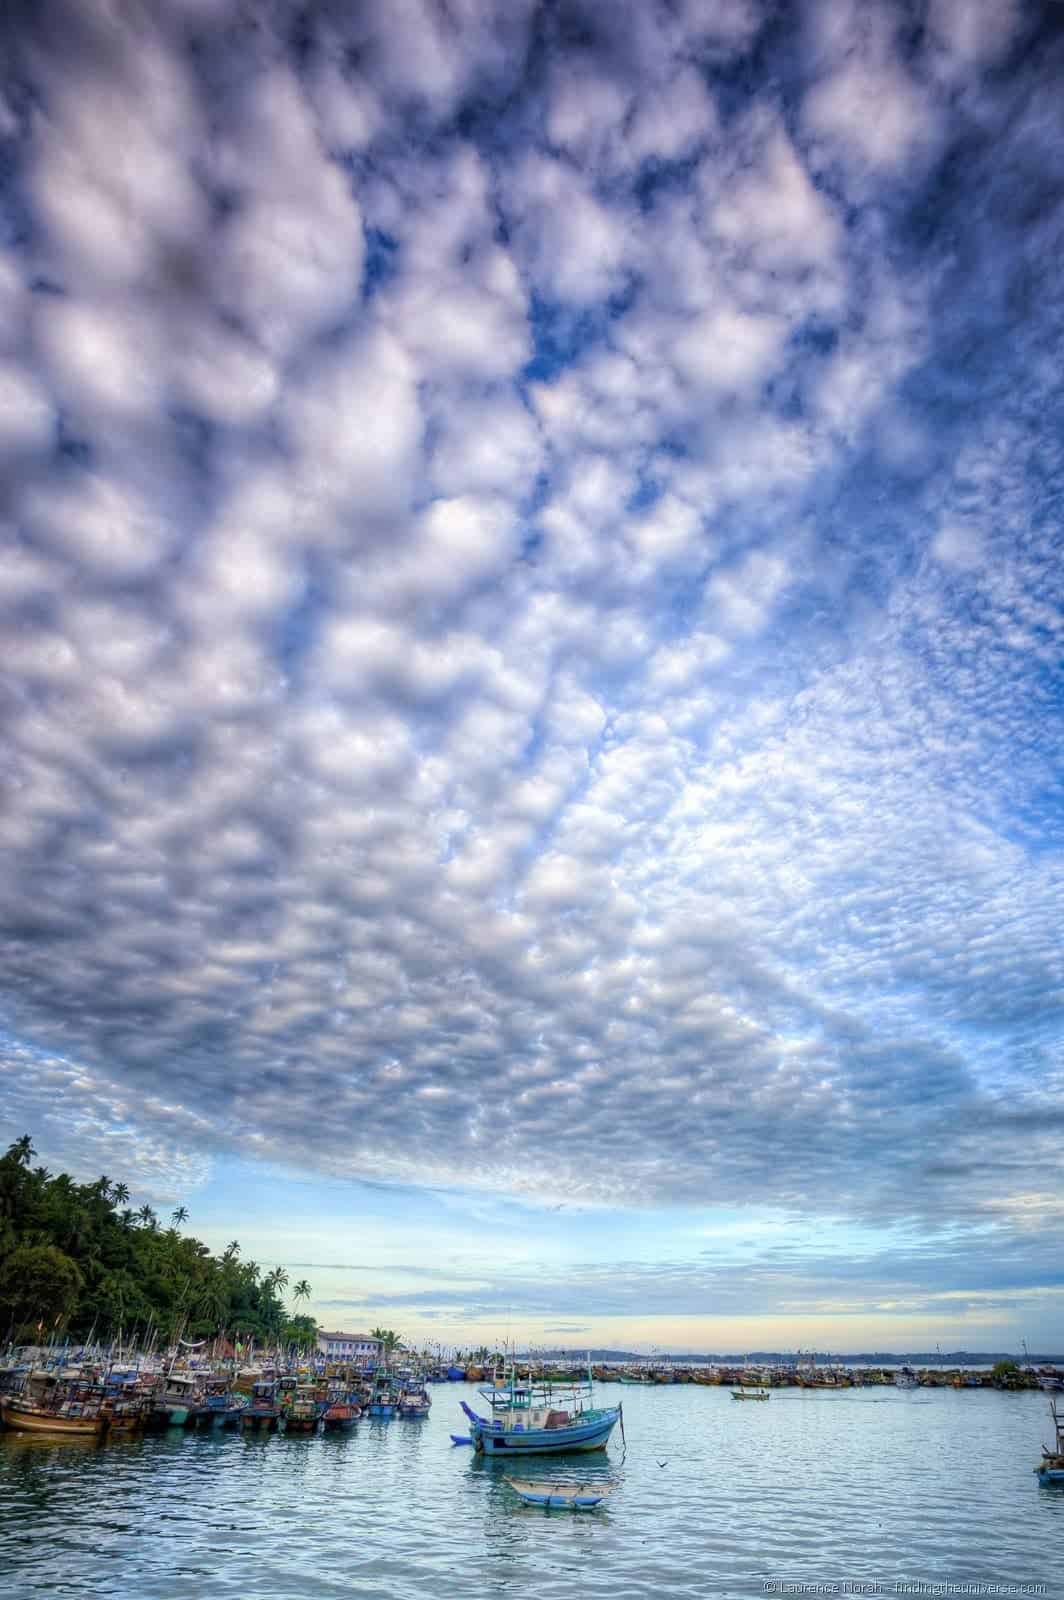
<point>859,1490</point>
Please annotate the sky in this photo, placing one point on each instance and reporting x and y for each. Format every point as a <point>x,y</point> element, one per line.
<point>531,654</point>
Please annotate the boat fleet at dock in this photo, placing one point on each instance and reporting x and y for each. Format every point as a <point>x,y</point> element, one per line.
<point>808,1374</point>
<point>97,1399</point>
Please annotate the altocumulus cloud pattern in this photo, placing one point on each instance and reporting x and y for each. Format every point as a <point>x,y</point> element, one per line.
<point>531,597</point>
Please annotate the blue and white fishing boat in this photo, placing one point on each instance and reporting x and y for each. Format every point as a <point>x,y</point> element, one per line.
<point>1051,1470</point>
<point>414,1399</point>
<point>218,1405</point>
<point>384,1397</point>
<point>541,1418</point>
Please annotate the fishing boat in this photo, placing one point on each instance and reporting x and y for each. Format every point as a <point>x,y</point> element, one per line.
<point>1051,1468</point>
<point>744,1393</point>
<point>128,1402</point>
<point>178,1398</point>
<point>60,1403</point>
<point>905,1378</point>
<point>541,1418</point>
<point>342,1408</point>
<point>303,1408</point>
<point>384,1396</point>
<point>414,1400</point>
<point>636,1377</point>
<point>263,1410</point>
<point>219,1405</point>
<point>561,1494</point>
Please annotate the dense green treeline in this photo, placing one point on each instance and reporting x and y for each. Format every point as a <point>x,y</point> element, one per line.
<point>77,1262</point>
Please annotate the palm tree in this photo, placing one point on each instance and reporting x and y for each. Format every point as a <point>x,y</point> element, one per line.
<point>232,1250</point>
<point>390,1341</point>
<point>302,1290</point>
<point>212,1302</point>
<point>277,1279</point>
<point>148,1217</point>
<point>23,1150</point>
<point>119,1194</point>
<point>179,1216</point>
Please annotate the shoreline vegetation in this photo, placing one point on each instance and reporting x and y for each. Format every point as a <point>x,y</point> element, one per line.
<point>78,1265</point>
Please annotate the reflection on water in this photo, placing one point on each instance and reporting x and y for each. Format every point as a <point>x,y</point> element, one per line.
<point>712,1499</point>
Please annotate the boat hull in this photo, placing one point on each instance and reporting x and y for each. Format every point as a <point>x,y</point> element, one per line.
<point>25,1420</point>
<point>259,1419</point>
<point>339,1420</point>
<point>171,1416</point>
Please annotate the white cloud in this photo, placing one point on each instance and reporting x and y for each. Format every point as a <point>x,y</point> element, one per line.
<point>729,349</point>
<point>355,427</point>
<point>586,115</point>
<point>289,257</point>
<point>773,210</point>
<point>972,34</point>
<point>870,114</point>
<point>573,246</point>
<point>101,524</point>
<point>672,122</point>
<point>105,358</point>
<point>27,419</point>
<point>957,546</point>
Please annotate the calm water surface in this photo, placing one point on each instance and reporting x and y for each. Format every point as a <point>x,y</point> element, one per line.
<point>714,1498</point>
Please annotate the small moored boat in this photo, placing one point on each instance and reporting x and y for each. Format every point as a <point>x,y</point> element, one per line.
<point>263,1410</point>
<point>414,1399</point>
<point>342,1408</point>
<point>561,1493</point>
<point>177,1399</point>
<point>303,1408</point>
<point>385,1394</point>
<point>219,1405</point>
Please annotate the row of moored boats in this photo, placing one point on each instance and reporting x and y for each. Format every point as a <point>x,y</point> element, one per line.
<point>96,1400</point>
